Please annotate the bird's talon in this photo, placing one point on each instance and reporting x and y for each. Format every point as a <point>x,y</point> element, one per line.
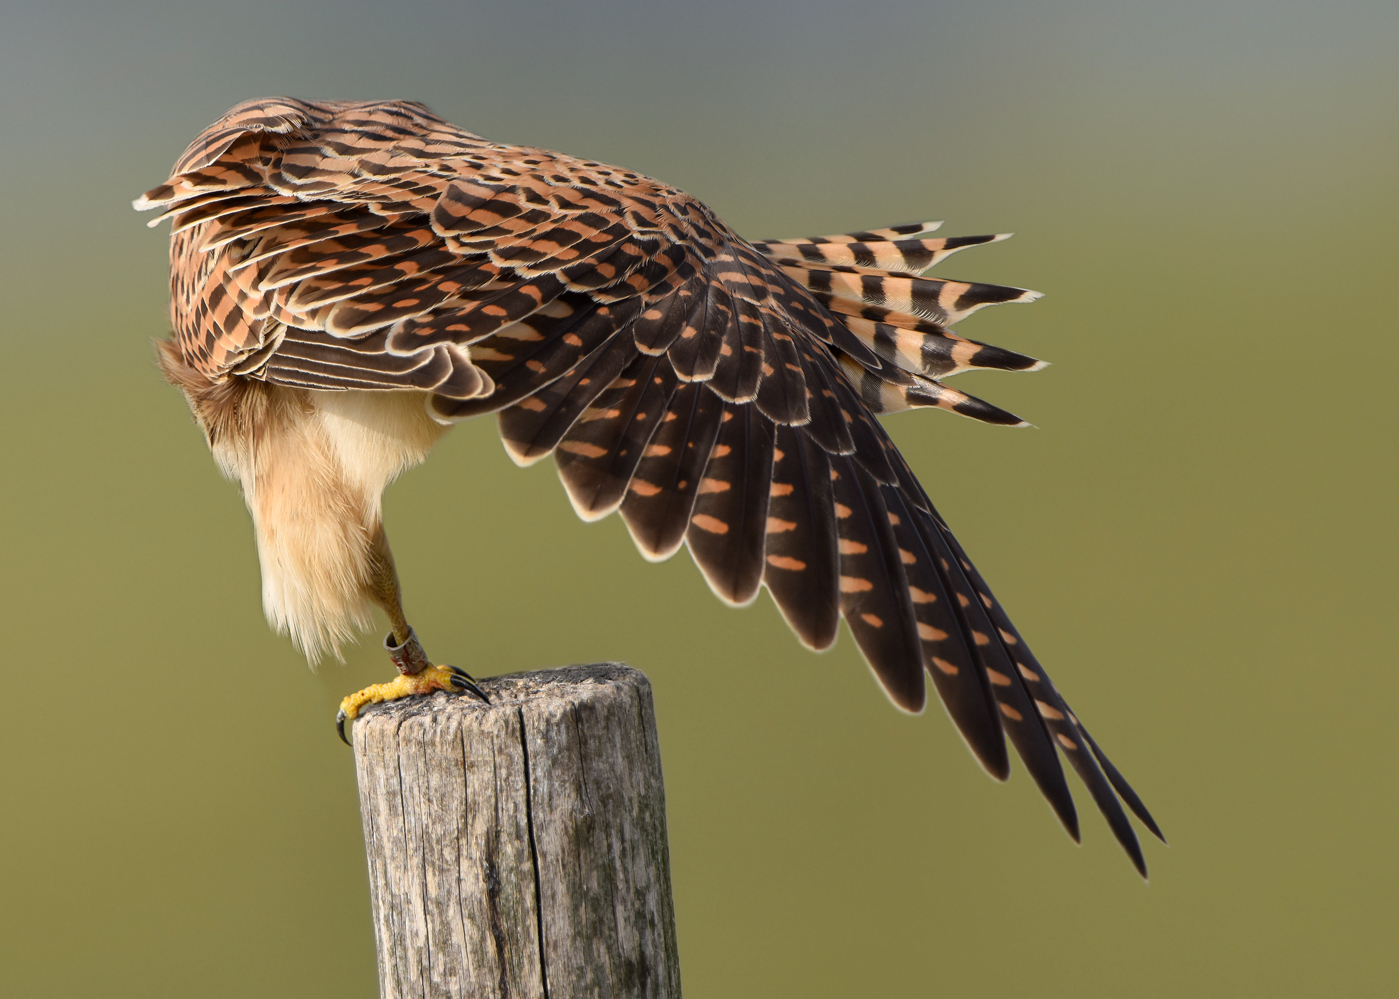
<point>429,680</point>
<point>462,680</point>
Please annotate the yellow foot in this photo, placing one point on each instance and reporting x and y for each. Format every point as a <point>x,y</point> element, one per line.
<point>431,679</point>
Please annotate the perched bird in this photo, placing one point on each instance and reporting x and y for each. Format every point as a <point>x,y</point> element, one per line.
<point>349,279</point>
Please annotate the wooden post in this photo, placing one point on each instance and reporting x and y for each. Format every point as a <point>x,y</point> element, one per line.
<point>518,849</point>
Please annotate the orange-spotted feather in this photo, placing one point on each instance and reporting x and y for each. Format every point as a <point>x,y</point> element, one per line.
<point>662,491</point>
<point>801,556</point>
<point>728,524</point>
<point>600,452</point>
<point>874,588</point>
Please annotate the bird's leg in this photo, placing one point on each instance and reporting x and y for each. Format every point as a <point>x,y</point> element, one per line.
<point>417,674</point>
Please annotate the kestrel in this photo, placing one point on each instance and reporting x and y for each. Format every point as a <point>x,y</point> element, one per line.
<point>349,279</point>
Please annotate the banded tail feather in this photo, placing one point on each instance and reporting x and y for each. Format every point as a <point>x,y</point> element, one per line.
<point>903,256</point>
<point>890,393</point>
<point>930,349</point>
<point>904,230</point>
<point>943,301</point>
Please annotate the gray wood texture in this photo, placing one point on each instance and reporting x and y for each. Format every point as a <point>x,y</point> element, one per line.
<point>518,849</point>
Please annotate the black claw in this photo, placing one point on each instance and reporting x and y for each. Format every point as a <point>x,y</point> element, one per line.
<point>462,680</point>
<point>340,726</point>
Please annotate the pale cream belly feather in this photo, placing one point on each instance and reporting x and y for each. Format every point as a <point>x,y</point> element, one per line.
<point>313,466</point>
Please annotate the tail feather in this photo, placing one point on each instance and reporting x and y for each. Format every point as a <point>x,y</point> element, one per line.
<point>931,349</point>
<point>926,392</point>
<point>930,298</point>
<point>883,394</point>
<point>902,231</point>
<point>904,256</point>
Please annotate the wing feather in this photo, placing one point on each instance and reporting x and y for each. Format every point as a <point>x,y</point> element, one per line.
<point>533,427</point>
<point>957,674</point>
<point>874,589</point>
<point>600,452</point>
<point>801,555</point>
<point>661,495</point>
<point>727,531</point>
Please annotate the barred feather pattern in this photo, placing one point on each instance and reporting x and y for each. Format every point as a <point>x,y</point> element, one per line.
<point>718,393</point>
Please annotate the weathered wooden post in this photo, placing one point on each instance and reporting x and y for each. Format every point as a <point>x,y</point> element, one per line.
<point>518,849</point>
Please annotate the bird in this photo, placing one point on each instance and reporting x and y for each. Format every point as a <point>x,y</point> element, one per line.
<point>349,279</point>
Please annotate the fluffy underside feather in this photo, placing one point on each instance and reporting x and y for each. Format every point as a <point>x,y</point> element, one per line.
<point>312,466</point>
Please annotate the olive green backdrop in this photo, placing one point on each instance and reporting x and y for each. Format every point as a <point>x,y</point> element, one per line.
<point>1199,539</point>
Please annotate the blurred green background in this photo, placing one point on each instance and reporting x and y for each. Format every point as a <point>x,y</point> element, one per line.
<point>1199,539</point>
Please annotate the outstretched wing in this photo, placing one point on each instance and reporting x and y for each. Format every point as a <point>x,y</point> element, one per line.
<point>718,393</point>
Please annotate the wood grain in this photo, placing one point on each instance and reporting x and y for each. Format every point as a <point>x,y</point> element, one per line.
<point>518,849</point>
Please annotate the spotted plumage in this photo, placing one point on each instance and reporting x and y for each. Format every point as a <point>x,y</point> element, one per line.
<point>348,279</point>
